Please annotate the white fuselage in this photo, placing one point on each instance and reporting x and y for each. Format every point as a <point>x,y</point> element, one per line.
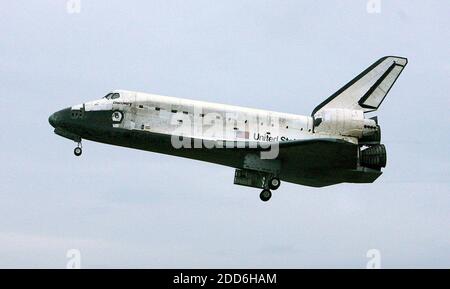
<point>204,120</point>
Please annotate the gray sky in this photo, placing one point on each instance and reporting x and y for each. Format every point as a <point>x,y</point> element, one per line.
<point>128,208</point>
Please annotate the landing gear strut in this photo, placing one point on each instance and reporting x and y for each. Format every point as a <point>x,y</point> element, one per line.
<point>78,150</point>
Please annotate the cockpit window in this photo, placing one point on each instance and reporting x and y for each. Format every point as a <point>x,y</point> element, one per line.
<point>112,96</point>
<point>108,96</point>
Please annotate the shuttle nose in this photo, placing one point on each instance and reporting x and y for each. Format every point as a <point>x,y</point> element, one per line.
<point>53,119</point>
<point>59,118</point>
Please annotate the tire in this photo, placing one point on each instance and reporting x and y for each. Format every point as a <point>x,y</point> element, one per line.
<point>265,195</point>
<point>77,151</point>
<point>274,183</point>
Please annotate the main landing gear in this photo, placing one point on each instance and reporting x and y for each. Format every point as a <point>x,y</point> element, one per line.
<point>273,184</point>
<point>268,181</point>
<point>78,150</point>
<point>265,195</point>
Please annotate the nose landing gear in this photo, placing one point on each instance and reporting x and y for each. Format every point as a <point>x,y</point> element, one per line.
<point>78,150</point>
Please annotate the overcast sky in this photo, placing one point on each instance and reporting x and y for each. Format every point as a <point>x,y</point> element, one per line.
<point>127,208</point>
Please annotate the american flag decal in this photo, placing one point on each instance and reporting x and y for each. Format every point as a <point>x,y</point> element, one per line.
<point>242,134</point>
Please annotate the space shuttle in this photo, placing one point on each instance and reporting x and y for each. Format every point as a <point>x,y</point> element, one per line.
<point>337,143</point>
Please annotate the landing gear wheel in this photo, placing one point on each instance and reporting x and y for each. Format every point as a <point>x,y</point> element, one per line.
<point>265,195</point>
<point>77,151</point>
<point>274,183</point>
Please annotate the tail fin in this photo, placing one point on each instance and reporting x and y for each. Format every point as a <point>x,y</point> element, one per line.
<point>367,91</point>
